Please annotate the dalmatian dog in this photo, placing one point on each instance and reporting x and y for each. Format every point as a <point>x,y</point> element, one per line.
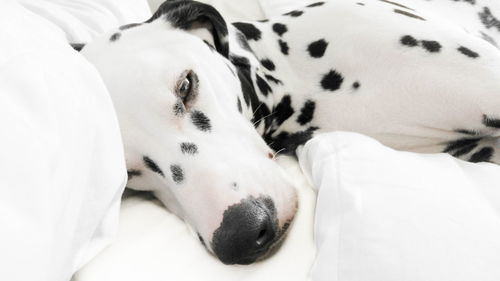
<point>204,106</point>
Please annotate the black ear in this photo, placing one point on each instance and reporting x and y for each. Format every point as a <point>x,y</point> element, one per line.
<point>187,15</point>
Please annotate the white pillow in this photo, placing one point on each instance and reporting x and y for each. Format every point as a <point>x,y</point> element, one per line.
<point>387,215</point>
<point>81,20</point>
<point>61,156</point>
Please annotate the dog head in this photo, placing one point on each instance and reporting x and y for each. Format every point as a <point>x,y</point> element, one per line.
<point>178,102</point>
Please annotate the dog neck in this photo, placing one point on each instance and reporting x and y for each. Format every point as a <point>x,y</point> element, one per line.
<point>266,100</point>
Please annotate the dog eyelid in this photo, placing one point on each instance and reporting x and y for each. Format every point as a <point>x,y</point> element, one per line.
<point>187,87</point>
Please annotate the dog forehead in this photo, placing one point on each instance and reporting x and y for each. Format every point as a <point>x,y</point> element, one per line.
<point>155,41</point>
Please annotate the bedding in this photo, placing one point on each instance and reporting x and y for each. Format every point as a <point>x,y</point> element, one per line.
<point>389,215</point>
<point>444,228</point>
<point>63,170</point>
<point>153,244</point>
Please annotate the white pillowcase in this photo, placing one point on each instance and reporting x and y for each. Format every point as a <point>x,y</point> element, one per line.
<point>61,156</point>
<point>388,215</point>
<point>81,20</point>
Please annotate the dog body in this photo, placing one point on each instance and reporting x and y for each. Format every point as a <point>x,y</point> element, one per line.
<point>202,104</point>
<point>406,74</point>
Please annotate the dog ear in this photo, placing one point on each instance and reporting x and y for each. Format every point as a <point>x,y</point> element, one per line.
<point>190,15</point>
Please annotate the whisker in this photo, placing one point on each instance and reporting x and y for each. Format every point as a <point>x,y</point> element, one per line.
<point>276,153</point>
<point>264,117</point>
<point>253,114</point>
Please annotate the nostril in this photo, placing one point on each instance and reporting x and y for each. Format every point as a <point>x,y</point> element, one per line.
<point>262,238</point>
<point>247,231</point>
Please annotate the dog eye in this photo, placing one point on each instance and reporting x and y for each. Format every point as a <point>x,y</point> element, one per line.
<point>186,88</point>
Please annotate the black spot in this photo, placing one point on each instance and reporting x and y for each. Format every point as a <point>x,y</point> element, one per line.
<point>267,63</point>
<point>431,46</point>
<point>317,4</point>
<point>483,155</point>
<point>472,2</point>
<point>408,14</point>
<point>306,112</point>
<point>283,47</point>
<point>212,48</point>
<point>251,32</point>
<point>133,173</point>
<point>279,28</point>
<point>356,85</point>
<point>262,113</point>
<point>264,20</point>
<point>150,164</point>
<point>396,4</point>
<point>489,39</point>
<point>467,132</point>
<point>488,19</point>
<point>240,61</point>
<point>283,110</point>
<point>468,52</point>
<point>178,108</point>
<point>77,46</point>
<point>177,173</point>
<point>332,80</point>
<point>189,148</point>
<point>317,48</point>
<point>201,121</point>
<point>287,143</point>
<point>263,86</point>
<point>409,41</point>
<point>240,108</point>
<point>491,122</point>
<point>115,36</point>
<point>361,4</point>
<point>201,240</point>
<point>460,146</point>
<point>273,79</point>
<point>464,150</point>
<point>244,75</point>
<point>295,13</point>
<point>128,26</point>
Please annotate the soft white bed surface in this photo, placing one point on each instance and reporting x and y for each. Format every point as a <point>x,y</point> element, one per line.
<point>153,244</point>
<point>386,215</point>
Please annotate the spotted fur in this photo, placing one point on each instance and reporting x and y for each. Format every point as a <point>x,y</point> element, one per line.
<point>385,68</point>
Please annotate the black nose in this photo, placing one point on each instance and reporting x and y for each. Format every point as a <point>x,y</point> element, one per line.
<point>247,231</point>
